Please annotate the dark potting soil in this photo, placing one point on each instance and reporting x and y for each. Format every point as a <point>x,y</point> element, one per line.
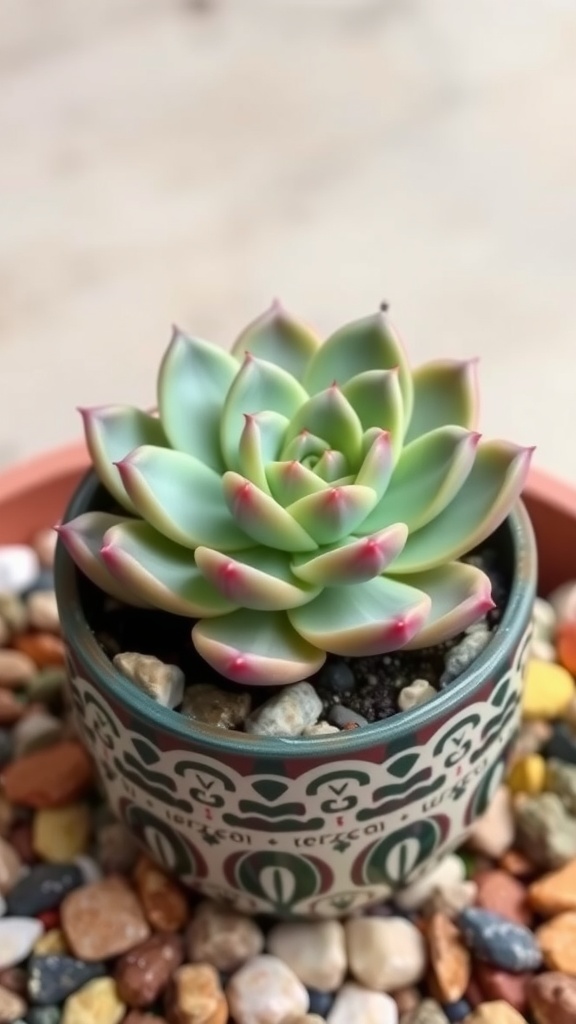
<point>368,687</point>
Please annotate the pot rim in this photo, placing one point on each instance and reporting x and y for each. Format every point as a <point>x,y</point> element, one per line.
<point>78,635</point>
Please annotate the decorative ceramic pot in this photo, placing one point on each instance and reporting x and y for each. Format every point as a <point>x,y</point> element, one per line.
<point>304,827</point>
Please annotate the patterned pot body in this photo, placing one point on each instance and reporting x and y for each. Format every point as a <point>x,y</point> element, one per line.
<point>303,827</point>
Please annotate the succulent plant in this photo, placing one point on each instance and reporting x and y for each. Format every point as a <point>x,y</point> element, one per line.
<point>297,497</point>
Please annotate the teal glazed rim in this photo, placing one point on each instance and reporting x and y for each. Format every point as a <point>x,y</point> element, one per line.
<point>82,642</point>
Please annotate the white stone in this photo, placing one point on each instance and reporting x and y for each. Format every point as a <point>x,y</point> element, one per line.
<point>385,953</point>
<point>315,950</point>
<point>17,938</point>
<point>542,649</point>
<point>266,991</point>
<point>450,871</point>
<point>43,611</point>
<point>287,713</point>
<point>357,1005</point>
<point>452,899</point>
<point>418,692</point>
<point>164,683</point>
<point>493,833</point>
<point>563,601</point>
<point>224,938</point>
<point>320,729</point>
<point>19,567</point>
<point>544,619</point>
<point>37,730</point>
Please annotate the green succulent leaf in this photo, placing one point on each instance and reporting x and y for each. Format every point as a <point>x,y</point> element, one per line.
<point>304,447</point>
<point>481,504</point>
<point>368,618</point>
<point>367,344</point>
<point>429,473</point>
<point>445,394</point>
<point>376,468</point>
<point>112,431</point>
<point>352,561</point>
<point>83,538</point>
<point>260,442</point>
<point>333,513</point>
<point>460,595</point>
<point>145,562</point>
<point>193,382</point>
<point>259,386</point>
<point>330,416</point>
<point>262,518</point>
<point>377,398</point>
<point>279,338</point>
<point>258,578</point>
<point>331,466</point>
<point>290,481</point>
<point>258,649</point>
<point>181,497</point>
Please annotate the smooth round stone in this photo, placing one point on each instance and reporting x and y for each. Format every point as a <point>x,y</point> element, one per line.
<point>357,1005</point>
<point>43,610</point>
<point>196,996</point>
<point>143,973</point>
<point>315,950</point>
<point>222,937</point>
<point>337,677</point>
<point>500,942</point>
<point>548,690</point>
<point>427,1012</point>
<point>451,899</point>
<point>36,731</point>
<point>457,1012</point>
<point>103,920</point>
<point>16,668</point>
<point>501,892</point>
<point>288,713</point>
<point>12,1005</point>
<point>343,717</point>
<point>164,683</point>
<point>528,775</point>
<point>545,831</point>
<point>450,871</point>
<point>204,702</point>
<point>557,940</point>
<point>17,938</point>
<point>43,888</point>
<point>554,893</point>
<point>418,692</point>
<point>116,847</point>
<point>19,567</point>
<point>542,650</point>
<point>13,612</point>
<point>61,833</point>
<point>385,953</point>
<point>52,978</point>
<point>552,998</point>
<point>563,601</point>
<point>561,779</point>
<point>544,620</point>
<point>320,1002</point>
<point>497,1012</point>
<point>96,1002</point>
<point>266,991</point>
<point>562,744</point>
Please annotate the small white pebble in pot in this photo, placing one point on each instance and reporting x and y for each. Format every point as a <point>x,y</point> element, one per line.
<point>287,713</point>
<point>19,568</point>
<point>418,692</point>
<point>164,683</point>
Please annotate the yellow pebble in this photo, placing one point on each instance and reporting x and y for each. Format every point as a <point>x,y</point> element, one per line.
<point>51,943</point>
<point>61,833</point>
<point>94,1003</point>
<point>528,775</point>
<point>548,690</point>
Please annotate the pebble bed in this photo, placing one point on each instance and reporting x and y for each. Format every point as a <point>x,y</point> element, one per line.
<point>92,932</point>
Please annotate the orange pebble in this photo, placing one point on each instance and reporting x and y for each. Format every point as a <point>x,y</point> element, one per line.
<point>566,646</point>
<point>45,649</point>
<point>49,777</point>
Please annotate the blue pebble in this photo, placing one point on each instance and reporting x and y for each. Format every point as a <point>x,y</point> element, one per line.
<point>499,942</point>
<point>457,1011</point>
<point>342,716</point>
<point>320,1002</point>
<point>43,888</point>
<point>52,978</point>
<point>337,676</point>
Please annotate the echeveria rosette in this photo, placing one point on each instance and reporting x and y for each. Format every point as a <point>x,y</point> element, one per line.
<point>298,498</point>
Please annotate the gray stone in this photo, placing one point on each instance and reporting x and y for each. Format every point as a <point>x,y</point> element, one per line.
<point>460,657</point>
<point>288,713</point>
<point>208,704</point>
<point>545,831</point>
<point>500,942</point>
<point>429,1012</point>
<point>344,717</point>
<point>164,683</point>
<point>561,779</point>
<point>418,692</point>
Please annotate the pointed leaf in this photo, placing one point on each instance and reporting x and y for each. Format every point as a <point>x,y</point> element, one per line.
<point>429,473</point>
<point>330,416</point>
<point>367,344</point>
<point>279,338</point>
<point>259,386</point>
<point>445,394</point>
<point>460,594</point>
<point>481,504</point>
<point>257,649</point>
<point>262,518</point>
<point>258,578</point>
<point>376,469</point>
<point>193,381</point>
<point>83,538</point>
<point>164,573</point>
<point>305,446</point>
<point>331,466</point>
<point>354,560</point>
<point>260,443</point>
<point>113,431</point>
<point>377,398</point>
<point>333,513</point>
<point>366,618</point>
<point>181,497</point>
<point>290,481</point>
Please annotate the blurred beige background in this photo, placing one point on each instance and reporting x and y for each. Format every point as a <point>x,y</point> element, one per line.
<point>172,160</point>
